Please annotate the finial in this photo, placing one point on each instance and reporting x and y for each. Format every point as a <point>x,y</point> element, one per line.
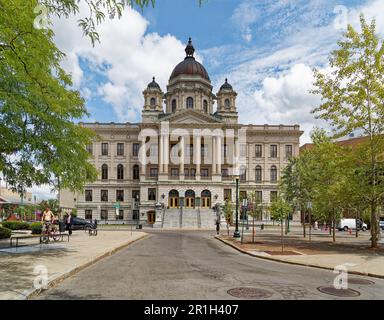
<point>189,49</point>
<point>226,80</point>
<point>153,79</point>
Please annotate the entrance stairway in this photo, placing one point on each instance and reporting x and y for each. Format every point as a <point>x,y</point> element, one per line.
<point>189,218</point>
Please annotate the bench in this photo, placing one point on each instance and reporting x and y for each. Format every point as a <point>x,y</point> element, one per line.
<point>30,236</point>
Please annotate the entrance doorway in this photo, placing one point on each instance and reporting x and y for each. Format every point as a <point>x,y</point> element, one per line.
<point>173,199</point>
<point>206,199</point>
<point>189,199</point>
<point>151,217</point>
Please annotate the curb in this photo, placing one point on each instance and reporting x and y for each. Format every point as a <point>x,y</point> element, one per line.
<point>296,263</point>
<point>27,294</point>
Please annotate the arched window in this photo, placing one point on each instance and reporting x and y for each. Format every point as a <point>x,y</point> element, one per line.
<point>189,103</point>
<point>173,105</point>
<point>120,172</point>
<point>226,104</point>
<point>258,174</point>
<point>205,106</point>
<point>136,174</point>
<point>206,199</point>
<point>153,102</point>
<point>104,172</point>
<point>273,174</point>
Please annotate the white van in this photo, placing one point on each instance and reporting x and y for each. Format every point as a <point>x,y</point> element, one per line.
<point>346,224</point>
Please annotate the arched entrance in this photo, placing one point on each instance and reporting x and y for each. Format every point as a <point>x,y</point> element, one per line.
<point>189,199</point>
<point>206,199</point>
<point>173,199</point>
<point>151,217</point>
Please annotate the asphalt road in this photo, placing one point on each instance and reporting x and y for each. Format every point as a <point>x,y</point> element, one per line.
<point>193,265</point>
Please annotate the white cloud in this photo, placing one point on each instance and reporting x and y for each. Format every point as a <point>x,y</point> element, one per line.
<point>244,16</point>
<point>43,192</point>
<point>126,60</point>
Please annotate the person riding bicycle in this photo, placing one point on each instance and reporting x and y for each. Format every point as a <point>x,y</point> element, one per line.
<point>47,218</point>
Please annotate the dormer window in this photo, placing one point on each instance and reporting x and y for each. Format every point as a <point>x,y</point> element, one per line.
<point>153,102</point>
<point>189,103</point>
<point>174,105</point>
<point>227,104</point>
<point>205,106</point>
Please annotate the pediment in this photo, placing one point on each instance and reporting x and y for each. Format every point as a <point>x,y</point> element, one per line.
<point>191,117</point>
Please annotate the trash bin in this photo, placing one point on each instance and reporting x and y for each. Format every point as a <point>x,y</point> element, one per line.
<point>262,226</point>
<point>61,226</point>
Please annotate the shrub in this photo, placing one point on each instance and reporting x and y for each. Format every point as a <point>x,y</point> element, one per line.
<point>15,225</point>
<point>36,227</point>
<point>5,233</point>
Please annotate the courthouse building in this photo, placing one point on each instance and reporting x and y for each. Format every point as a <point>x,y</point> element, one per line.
<point>172,168</point>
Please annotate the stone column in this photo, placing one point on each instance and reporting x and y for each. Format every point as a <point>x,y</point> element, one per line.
<point>166,153</point>
<point>213,155</point>
<point>161,153</point>
<point>197,152</point>
<point>143,159</point>
<point>218,155</point>
<point>181,168</point>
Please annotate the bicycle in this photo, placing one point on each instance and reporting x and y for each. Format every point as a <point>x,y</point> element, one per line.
<point>49,230</point>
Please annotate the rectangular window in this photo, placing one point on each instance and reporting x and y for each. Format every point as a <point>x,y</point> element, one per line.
<point>288,151</point>
<point>224,149</point>
<point>88,195</point>
<point>204,172</point>
<point>153,172</point>
<point>135,215</point>
<point>120,195</point>
<point>152,194</point>
<point>186,172</point>
<point>259,196</point>
<point>174,172</point>
<point>273,151</point>
<point>193,172</point>
<point>104,214</point>
<point>204,150</point>
<point>104,149</point>
<point>153,150</point>
<point>243,150</point>
<point>135,195</point>
<point>224,173</point>
<point>121,215</point>
<point>258,150</point>
<point>273,195</point>
<point>88,214</point>
<point>135,149</point>
<point>120,149</point>
<point>90,148</point>
<point>189,150</point>
<point>104,195</point>
<point>228,194</point>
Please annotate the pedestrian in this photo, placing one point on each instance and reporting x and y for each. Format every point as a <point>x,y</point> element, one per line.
<point>218,225</point>
<point>68,223</point>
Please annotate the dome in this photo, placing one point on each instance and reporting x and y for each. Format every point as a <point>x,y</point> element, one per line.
<point>153,84</point>
<point>226,86</point>
<point>189,65</point>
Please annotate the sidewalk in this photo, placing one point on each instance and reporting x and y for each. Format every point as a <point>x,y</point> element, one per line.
<point>319,252</point>
<point>61,259</point>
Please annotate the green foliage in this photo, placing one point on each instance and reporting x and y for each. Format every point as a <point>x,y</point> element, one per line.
<point>15,225</point>
<point>279,209</point>
<point>228,211</point>
<point>353,100</point>
<point>74,212</point>
<point>40,143</point>
<point>5,233</point>
<point>36,227</point>
<point>255,206</point>
<point>52,204</point>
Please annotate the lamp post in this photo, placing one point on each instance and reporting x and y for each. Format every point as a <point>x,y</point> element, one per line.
<point>237,232</point>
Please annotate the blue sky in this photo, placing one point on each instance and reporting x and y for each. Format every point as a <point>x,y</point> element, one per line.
<point>266,49</point>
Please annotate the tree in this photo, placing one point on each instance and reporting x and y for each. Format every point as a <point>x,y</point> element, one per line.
<point>255,208</point>
<point>228,213</point>
<point>280,210</point>
<point>40,143</point>
<point>353,98</point>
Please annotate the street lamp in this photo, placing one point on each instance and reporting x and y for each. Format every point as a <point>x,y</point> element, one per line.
<point>237,232</point>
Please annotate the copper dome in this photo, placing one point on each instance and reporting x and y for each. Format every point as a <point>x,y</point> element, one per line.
<point>189,65</point>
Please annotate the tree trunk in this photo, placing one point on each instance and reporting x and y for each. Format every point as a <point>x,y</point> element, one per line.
<point>334,227</point>
<point>282,236</point>
<point>373,226</point>
<point>253,230</point>
<point>303,215</point>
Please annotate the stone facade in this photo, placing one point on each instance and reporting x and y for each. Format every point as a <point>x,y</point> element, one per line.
<point>184,150</point>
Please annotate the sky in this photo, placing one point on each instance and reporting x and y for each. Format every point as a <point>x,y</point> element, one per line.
<point>266,49</point>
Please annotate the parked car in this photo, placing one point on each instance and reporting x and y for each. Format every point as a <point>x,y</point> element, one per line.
<point>346,224</point>
<point>382,224</point>
<point>82,224</point>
